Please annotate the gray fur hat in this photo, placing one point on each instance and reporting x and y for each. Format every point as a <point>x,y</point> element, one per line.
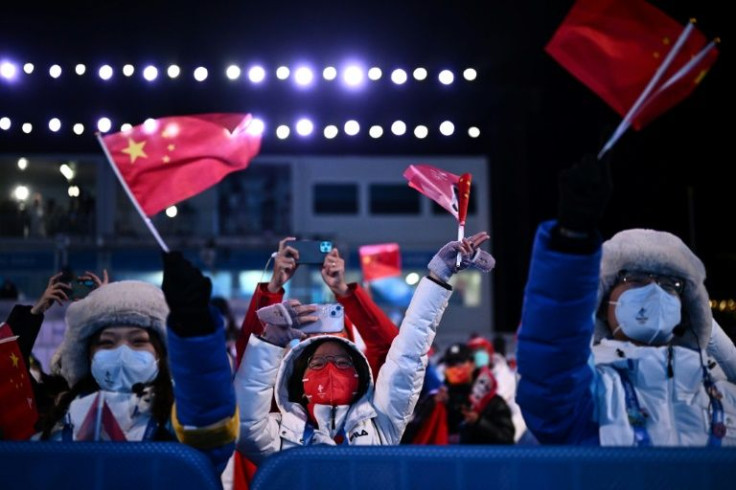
<point>120,303</point>
<point>659,252</point>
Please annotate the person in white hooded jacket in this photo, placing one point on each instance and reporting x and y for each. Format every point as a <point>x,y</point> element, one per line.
<point>613,339</point>
<point>323,386</point>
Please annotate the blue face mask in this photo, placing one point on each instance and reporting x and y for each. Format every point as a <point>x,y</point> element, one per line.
<point>648,314</point>
<point>120,368</point>
<point>481,358</point>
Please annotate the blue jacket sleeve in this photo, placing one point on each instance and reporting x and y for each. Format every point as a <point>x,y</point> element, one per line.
<point>204,413</point>
<point>554,344</point>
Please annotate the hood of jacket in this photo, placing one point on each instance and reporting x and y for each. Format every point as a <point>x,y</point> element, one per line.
<point>288,386</point>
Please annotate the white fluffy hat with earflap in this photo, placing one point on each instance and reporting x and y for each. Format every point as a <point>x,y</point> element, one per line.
<point>120,303</point>
<point>663,253</point>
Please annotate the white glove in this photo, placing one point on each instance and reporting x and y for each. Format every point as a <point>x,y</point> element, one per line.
<point>444,262</point>
<point>279,321</point>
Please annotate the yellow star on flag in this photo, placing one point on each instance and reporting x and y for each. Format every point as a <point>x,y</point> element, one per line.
<point>14,359</point>
<point>135,150</point>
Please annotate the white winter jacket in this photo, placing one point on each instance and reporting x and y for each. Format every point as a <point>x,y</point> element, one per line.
<point>379,417</point>
<point>669,387</point>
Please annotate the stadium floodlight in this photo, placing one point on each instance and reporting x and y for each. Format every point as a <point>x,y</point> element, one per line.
<point>398,76</point>
<point>446,77</point>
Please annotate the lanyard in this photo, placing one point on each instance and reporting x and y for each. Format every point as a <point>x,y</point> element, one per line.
<point>637,415</point>
<point>717,425</point>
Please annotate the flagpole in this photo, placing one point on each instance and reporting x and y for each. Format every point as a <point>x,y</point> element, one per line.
<point>132,198</point>
<point>689,65</point>
<point>626,121</point>
<point>460,236</point>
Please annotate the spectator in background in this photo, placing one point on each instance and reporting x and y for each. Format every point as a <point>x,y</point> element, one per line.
<point>476,412</point>
<point>36,217</point>
<point>485,354</point>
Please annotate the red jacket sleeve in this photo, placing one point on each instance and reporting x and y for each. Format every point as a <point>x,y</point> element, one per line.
<point>251,324</point>
<point>375,328</point>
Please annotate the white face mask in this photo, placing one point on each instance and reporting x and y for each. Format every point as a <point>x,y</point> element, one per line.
<point>648,314</point>
<point>120,368</point>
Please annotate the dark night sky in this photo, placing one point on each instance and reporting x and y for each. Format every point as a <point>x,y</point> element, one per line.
<point>676,174</point>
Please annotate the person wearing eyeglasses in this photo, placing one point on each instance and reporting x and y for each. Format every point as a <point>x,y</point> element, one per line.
<point>614,334</point>
<point>323,385</point>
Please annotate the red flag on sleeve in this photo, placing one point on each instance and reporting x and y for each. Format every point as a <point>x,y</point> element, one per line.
<point>18,412</point>
<point>437,184</point>
<point>615,47</point>
<point>378,261</point>
<point>164,161</point>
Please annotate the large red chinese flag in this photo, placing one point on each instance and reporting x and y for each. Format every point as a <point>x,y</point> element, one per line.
<point>677,88</point>
<point>616,46</point>
<point>437,184</point>
<point>378,261</point>
<point>18,412</point>
<point>164,161</point>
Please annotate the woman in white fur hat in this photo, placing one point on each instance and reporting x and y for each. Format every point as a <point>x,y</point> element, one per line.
<point>613,337</point>
<point>118,359</point>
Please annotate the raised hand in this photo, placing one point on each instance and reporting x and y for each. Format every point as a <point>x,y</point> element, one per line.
<point>284,265</point>
<point>443,264</point>
<point>92,276</point>
<point>187,293</point>
<point>56,291</point>
<point>282,321</point>
<point>333,273</point>
<point>584,192</point>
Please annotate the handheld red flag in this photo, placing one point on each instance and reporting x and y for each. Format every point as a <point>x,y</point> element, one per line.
<point>439,185</point>
<point>18,412</point>
<point>379,261</point>
<point>164,161</point>
<point>615,47</point>
<point>463,193</point>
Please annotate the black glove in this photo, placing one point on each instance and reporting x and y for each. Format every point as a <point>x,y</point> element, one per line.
<point>187,293</point>
<point>585,189</point>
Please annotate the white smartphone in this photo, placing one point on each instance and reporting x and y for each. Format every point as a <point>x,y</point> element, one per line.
<point>331,319</point>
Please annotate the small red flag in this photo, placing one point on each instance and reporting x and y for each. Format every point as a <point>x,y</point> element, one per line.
<point>463,191</point>
<point>440,186</point>
<point>379,261</point>
<point>164,161</point>
<point>18,412</point>
<point>615,47</point>
<point>434,428</point>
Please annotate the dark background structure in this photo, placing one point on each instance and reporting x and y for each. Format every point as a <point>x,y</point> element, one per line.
<point>676,174</point>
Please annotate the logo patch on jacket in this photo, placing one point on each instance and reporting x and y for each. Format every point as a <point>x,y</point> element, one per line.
<point>358,434</point>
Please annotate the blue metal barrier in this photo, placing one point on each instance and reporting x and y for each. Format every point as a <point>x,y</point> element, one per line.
<point>35,465</point>
<point>497,468</point>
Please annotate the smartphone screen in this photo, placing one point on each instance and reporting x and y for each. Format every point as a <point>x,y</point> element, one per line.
<point>81,288</point>
<point>311,251</point>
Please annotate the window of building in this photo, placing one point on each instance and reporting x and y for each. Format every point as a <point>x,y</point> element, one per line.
<point>394,199</point>
<point>335,199</point>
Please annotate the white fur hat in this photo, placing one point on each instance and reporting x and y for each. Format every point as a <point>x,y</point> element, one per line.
<point>120,303</point>
<point>662,253</point>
